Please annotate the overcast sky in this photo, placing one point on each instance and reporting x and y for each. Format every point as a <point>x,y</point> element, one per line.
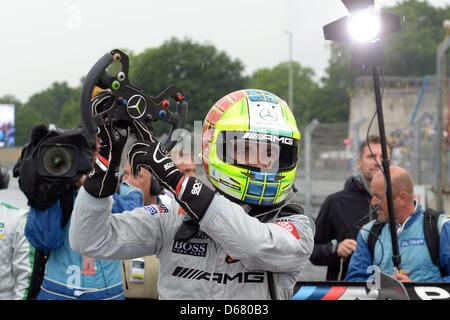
<point>43,41</point>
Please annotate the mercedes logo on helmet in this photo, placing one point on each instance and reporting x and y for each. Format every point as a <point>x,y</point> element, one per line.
<point>268,115</point>
<point>136,106</point>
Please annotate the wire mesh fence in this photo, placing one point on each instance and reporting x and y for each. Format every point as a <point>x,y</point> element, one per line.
<point>333,155</point>
<point>325,165</point>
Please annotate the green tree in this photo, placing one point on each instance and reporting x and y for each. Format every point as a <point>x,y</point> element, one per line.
<point>70,116</point>
<point>203,73</point>
<point>10,99</point>
<point>50,101</point>
<point>412,51</point>
<point>276,81</point>
<point>25,119</point>
<point>47,107</point>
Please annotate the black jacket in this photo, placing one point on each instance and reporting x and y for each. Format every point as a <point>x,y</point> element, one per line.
<point>340,217</point>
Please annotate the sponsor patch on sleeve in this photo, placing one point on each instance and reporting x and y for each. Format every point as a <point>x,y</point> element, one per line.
<point>151,209</point>
<point>156,208</point>
<point>289,226</point>
<point>162,208</point>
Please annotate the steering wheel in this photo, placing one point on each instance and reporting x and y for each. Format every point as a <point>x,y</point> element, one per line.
<point>130,103</point>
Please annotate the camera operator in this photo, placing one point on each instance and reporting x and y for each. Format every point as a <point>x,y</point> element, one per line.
<point>68,275</point>
<point>16,253</point>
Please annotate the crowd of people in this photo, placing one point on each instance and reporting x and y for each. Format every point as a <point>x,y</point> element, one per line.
<point>141,225</point>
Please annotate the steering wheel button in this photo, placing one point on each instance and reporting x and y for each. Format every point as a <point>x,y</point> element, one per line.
<point>165,103</point>
<point>115,85</point>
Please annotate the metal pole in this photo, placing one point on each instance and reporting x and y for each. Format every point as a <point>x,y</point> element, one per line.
<point>308,133</point>
<point>291,74</point>
<point>396,258</point>
<point>440,143</point>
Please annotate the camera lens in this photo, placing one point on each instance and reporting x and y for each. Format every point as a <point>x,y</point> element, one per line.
<point>57,161</point>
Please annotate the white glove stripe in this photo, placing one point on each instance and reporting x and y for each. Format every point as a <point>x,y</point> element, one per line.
<point>140,144</point>
<point>189,208</point>
<point>144,128</point>
<point>132,159</point>
<point>130,152</point>
<point>174,170</point>
<point>154,155</point>
<point>96,102</point>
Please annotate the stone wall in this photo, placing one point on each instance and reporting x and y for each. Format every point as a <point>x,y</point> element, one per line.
<point>400,95</point>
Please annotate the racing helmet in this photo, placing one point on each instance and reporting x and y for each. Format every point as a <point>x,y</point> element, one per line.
<point>250,144</point>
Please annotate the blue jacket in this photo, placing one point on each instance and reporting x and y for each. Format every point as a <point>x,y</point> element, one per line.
<point>67,273</point>
<point>413,250</point>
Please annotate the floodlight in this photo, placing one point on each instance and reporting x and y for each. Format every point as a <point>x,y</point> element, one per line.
<point>364,28</point>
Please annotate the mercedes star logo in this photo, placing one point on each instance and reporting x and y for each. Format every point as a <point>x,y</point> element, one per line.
<point>268,115</point>
<point>136,106</point>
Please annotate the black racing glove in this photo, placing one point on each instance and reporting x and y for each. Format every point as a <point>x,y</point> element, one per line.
<point>192,195</point>
<point>103,179</point>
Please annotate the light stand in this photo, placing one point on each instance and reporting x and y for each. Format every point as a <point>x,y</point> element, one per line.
<point>396,258</point>
<point>368,53</point>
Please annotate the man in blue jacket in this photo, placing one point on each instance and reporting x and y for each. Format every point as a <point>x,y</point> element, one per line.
<point>69,275</point>
<point>416,263</point>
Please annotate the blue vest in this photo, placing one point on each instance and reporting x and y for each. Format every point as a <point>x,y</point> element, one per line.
<point>66,276</point>
<point>413,250</point>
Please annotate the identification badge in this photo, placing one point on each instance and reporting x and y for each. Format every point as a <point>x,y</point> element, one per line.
<point>88,266</point>
<point>137,270</point>
<point>2,230</point>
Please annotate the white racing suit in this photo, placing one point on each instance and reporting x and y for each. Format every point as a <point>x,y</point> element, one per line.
<point>16,254</point>
<point>230,258</point>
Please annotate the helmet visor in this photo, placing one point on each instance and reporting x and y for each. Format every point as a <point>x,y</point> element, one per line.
<point>256,151</point>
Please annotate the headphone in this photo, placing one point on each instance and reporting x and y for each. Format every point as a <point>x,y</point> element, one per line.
<point>155,188</point>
